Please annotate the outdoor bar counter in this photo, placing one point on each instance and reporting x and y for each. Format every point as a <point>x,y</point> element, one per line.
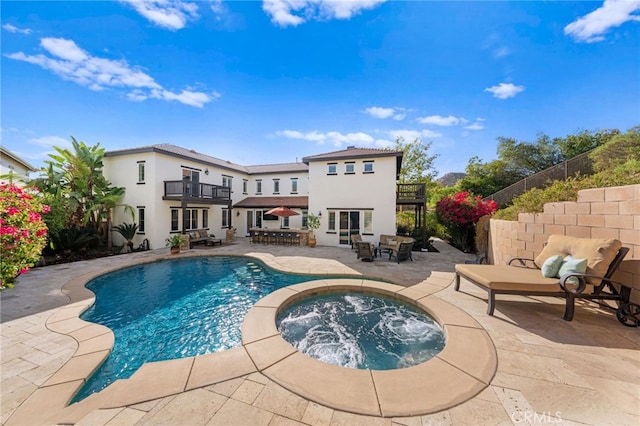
<point>277,236</point>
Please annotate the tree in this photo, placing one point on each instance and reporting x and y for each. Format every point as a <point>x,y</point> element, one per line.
<point>583,141</point>
<point>524,158</point>
<point>487,178</point>
<point>417,164</point>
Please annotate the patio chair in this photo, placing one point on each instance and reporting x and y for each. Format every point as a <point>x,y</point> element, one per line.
<point>534,277</point>
<point>402,251</point>
<point>365,251</point>
<point>355,238</point>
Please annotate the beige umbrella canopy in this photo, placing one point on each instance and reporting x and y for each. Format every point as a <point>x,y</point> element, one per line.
<point>282,211</point>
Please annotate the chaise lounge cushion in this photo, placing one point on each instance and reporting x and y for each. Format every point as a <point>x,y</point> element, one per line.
<point>510,278</point>
<point>598,252</point>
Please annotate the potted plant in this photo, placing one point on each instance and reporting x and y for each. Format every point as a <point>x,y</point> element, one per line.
<point>128,232</point>
<point>174,242</point>
<point>313,222</point>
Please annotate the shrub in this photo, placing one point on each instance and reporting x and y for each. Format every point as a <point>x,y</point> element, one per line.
<point>533,201</point>
<point>23,233</point>
<point>459,213</point>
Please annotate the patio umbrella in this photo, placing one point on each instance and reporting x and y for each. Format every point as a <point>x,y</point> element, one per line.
<point>282,211</point>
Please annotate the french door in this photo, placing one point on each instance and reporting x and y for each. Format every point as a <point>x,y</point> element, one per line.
<point>349,224</point>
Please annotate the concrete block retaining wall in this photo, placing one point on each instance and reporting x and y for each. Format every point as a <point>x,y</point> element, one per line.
<point>599,213</point>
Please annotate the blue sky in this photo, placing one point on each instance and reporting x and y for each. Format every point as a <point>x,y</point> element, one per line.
<point>273,81</point>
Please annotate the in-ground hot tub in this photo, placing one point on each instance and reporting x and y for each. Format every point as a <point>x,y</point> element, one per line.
<point>361,330</point>
<point>461,370</point>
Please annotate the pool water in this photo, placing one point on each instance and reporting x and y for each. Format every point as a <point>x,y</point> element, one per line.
<point>359,330</point>
<point>176,309</point>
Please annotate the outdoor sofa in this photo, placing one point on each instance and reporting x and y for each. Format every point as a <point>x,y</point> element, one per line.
<point>198,236</point>
<point>570,280</point>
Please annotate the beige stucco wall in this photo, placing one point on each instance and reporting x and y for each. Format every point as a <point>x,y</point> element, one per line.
<point>122,170</point>
<point>358,191</point>
<point>598,213</point>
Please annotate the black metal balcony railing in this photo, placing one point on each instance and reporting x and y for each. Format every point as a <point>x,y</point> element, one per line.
<point>196,191</point>
<point>411,193</point>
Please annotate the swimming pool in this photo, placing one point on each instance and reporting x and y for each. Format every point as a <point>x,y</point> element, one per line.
<point>176,309</point>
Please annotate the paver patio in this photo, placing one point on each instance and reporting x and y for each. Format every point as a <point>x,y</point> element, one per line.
<point>549,370</point>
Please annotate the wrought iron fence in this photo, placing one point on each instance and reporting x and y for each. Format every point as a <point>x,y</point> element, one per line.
<point>580,164</point>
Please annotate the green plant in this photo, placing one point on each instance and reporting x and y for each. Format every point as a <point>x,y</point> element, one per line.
<point>313,222</point>
<point>128,232</point>
<point>74,239</point>
<point>174,241</point>
<point>23,233</point>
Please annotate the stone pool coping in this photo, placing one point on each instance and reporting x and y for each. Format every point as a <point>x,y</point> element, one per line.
<point>449,379</point>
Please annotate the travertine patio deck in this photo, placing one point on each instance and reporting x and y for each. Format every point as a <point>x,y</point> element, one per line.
<point>586,371</point>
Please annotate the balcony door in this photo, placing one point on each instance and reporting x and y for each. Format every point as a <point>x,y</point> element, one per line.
<point>191,178</point>
<point>349,225</point>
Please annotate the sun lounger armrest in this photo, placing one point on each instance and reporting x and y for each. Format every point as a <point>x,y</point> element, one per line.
<point>522,262</point>
<point>582,283</point>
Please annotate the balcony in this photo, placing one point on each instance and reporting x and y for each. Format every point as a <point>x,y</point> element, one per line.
<point>196,192</point>
<point>411,193</point>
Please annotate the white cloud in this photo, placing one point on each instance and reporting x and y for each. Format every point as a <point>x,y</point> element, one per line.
<point>504,90</point>
<point>70,62</point>
<point>475,126</point>
<point>50,142</point>
<point>613,13</point>
<point>169,14</point>
<point>396,113</point>
<point>439,120</point>
<point>14,29</point>
<point>410,135</point>
<point>379,112</point>
<point>295,12</point>
<point>336,138</point>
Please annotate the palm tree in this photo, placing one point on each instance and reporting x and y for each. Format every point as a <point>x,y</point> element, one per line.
<point>128,232</point>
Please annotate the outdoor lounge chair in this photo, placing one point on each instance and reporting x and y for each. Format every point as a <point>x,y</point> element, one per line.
<point>355,238</point>
<point>402,251</point>
<point>365,251</point>
<point>524,276</point>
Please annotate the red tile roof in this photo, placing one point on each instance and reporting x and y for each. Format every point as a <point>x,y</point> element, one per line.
<point>275,201</point>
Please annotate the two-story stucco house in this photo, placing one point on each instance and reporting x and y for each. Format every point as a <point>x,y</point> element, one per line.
<point>175,190</point>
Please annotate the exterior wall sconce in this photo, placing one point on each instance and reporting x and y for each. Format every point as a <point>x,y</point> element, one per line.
<point>237,213</point>
<point>319,213</point>
<point>206,172</point>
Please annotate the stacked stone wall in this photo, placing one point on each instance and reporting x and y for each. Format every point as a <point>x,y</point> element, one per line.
<point>599,213</point>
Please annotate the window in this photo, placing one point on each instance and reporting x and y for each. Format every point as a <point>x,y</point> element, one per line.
<point>225,218</point>
<point>259,186</point>
<point>368,222</point>
<point>140,171</point>
<point>191,219</point>
<point>245,186</point>
<point>332,221</point>
<point>294,185</point>
<point>332,168</point>
<point>305,218</point>
<point>226,181</point>
<point>349,168</point>
<point>205,218</point>
<point>368,167</point>
<point>276,186</point>
<point>175,221</point>
<point>285,222</point>
<point>140,219</point>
